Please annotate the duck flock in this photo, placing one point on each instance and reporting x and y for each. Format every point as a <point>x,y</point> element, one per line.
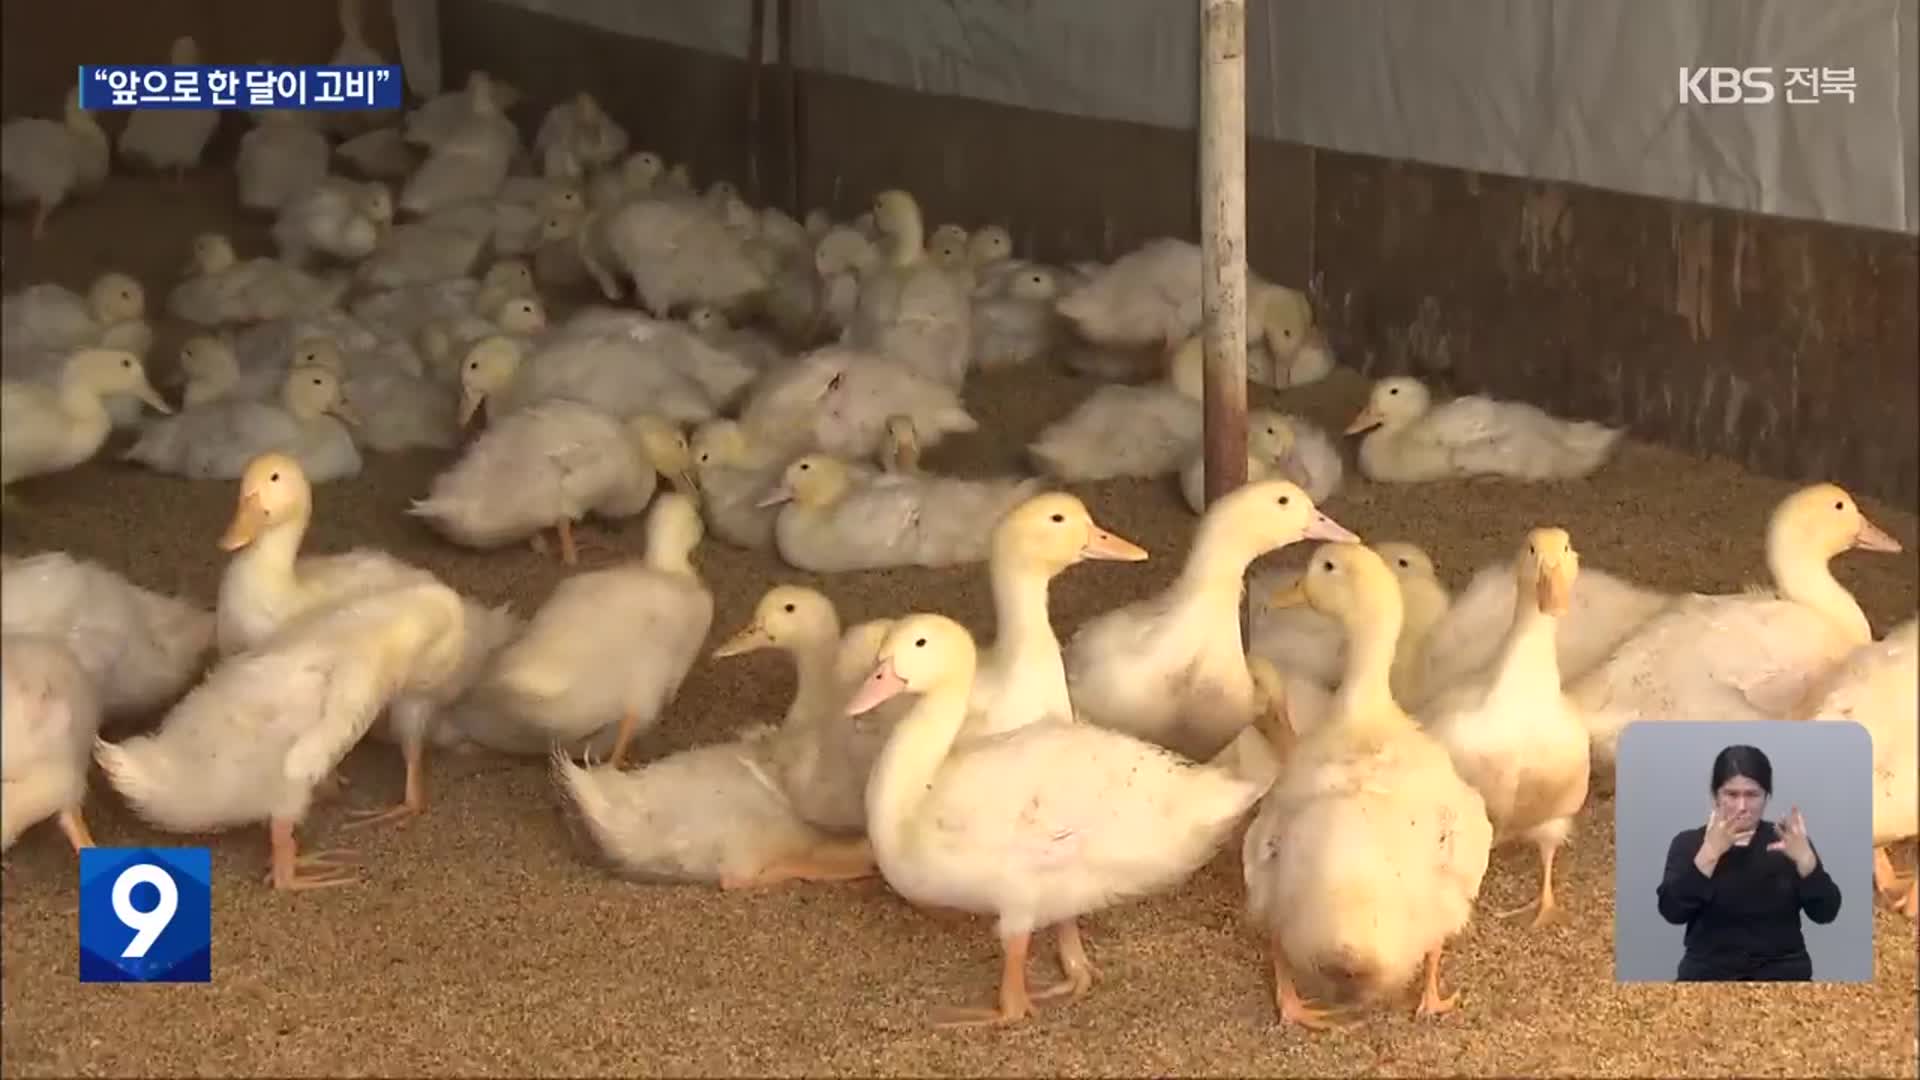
<point>768,383</point>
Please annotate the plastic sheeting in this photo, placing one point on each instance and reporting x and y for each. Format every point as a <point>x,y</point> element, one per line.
<point>1585,91</point>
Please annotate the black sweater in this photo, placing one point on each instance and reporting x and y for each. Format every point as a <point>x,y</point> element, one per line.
<point>1743,924</point>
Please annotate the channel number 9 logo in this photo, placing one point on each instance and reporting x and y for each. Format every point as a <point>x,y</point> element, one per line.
<point>145,914</point>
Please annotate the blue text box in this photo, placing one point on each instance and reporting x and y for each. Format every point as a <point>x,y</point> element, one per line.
<point>329,88</point>
<point>146,914</point>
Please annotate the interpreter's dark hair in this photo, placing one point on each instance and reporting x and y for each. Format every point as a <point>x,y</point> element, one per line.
<point>1748,761</point>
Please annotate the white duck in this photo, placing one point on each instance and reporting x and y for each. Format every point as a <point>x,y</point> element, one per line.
<point>283,157</point>
<point>658,344</point>
<point>444,246</point>
<point>404,312</point>
<point>1121,430</point>
<point>592,371</point>
<point>722,813</point>
<point>254,740</point>
<point>112,315</point>
<point>1513,733</point>
<point>139,649</point>
<point>49,428</point>
<point>911,311</point>
<point>341,218</point>
<point>840,401</point>
<point>380,154</point>
<point>751,347</point>
<point>392,410</point>
<point>1751,656</point>
<point>1279,446</point>
<point>560,461</point>
<point>1301,642</point>
<point>1021,678</point>
<point>1368,851</point>
<point>577,137</point>
<point>170,140</point>
<point>678,253</point>
<point>49,717</point>
<point>1017,326</point>
<point>467,161</point>
<point>1049,822</point>
<point>1878,687</point>
<point>1418,441</point>
<point>838,519</point>
<point>1151,296</point>
<point>222,288</point>
<point>267,585</point>
<point>1604,610</point>
<point>734,472</point>
<point>1171,668</point>
<point>842,257</point>
<point>605,655</point>
<point>218,439</point>
<point>44,161</point>
<point>448,115</point>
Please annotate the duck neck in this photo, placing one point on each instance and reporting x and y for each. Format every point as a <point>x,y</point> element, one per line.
<point>1020,606</point>
<point>909,241</point>
<point>905,769</point>
<point>272,553</point>
<point>1365,687</point>
<point>1806,579</point>
<point>814,687</point>
<point>1527,657</point>
<point>671,559</point>
<point>80,401</point>
<point>1215,573</point>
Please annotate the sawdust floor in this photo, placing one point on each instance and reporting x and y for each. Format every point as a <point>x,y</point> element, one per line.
<point>480,943</point>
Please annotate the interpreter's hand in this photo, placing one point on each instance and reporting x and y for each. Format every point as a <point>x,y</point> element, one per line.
<point>1720,837</point>
<point>1793,842</point>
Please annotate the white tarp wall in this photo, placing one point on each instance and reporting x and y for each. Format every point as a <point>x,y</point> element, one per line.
<point>1585,91</point>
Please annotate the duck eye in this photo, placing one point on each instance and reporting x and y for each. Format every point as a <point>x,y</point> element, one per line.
<point>788,609</point>
<point>1058,518</point>
<point>1839,506</point>
<point>273,478</point>
<point>126,363</point>
<point>1392,390</point>
<point>316,382</point>
<point>1327,566</point>
<point>920,644</point>
<point>1404,563</point>
<point>1284,499</point>
<point>804,466</point>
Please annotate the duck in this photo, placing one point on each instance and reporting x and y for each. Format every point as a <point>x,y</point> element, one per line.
<point>1604,611</point>
<point>341,218</point>
<point>839,400</point>
<point>835,519</point>
<point>138,648</point>
<point>267,585</point>
<point>1303,643</point>
<point>911,311</point>
<point>1514,734</point>
<point>1020,677</point>
<point>1018,325</point>
<point>1367,854</point>
<point>442,246</point>
<point>1151,297</point>
<point>221,288</point>
<point>282,157</point>
<point>170,140</point>
<point>842,258</point>
<point>499,373</point>
<point>604,656</point>
<point>733,472</point>
<point>1412,440</point>
<point>392,410</point>
<point>217,440</point>
<point>49,717</point>
<point>1050,822</point>
<point>466,161</point>
<point>254,740</point>
<point>721,813</point>
<point>1122,430</point>
<point>1748,656</point>
<point>1878,687</point>
<point>560,460</point>
<point>1278,445</point>
<point>43,161</point>
<point>679,253</point>
<point>112,315</point>
<point>52,428</point>
<point>577,137</point>
<point>1171,668</point>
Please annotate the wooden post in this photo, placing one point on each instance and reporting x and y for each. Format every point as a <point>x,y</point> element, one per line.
<point>756,52</point>
<point>1223,240</point>
<point>789,77</point>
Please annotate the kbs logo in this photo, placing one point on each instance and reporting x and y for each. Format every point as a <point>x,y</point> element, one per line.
<point>1757,86</point>
<point>1726,86</point>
